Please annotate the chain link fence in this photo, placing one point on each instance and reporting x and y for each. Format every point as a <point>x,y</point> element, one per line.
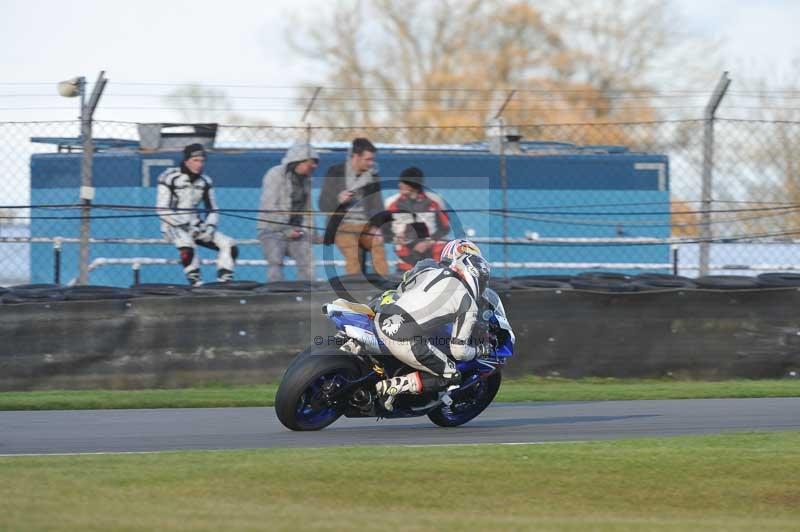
<point>548,199</point>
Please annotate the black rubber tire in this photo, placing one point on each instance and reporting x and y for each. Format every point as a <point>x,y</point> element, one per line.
<point>160,289</point>
<point>778,280</point>
<point>541,283</point>
<point>650,285</point>
<point>602,285</point>
<point>553,277</point>
<point>95,292</point>
<point>303,371</point>
<point>502,284</point>
<point>659,276</point>
<point>439,418</point>
<point>605,276</point>
<point>33,293</point>
<point>287,286</point>
<point>233,286</point>
<point>11,298</point>
<point>37,286</point>
<point>662,281</point>
<point>727,282</point>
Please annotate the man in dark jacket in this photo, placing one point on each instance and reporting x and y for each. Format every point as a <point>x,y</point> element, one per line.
<point>351,195</point>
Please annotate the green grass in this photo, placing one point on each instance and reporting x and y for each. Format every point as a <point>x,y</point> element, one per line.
<point>608,389</point>
<point>523,389</point>
<point>726,482</point>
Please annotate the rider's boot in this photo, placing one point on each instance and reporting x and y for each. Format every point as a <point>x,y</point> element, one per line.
<point>193,276</point>
<point>413,383</point>
<point>389,389</point>
<point>224,276</point>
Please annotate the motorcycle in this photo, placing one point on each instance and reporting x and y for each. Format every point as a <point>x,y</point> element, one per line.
<point>325,382</point>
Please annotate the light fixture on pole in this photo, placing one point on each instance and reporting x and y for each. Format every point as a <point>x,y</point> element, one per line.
<point>69,89</point>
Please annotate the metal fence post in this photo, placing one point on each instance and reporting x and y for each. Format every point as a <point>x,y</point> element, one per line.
<point>706,232</point>
<point>87,191</point>
<point>57,260</point>
<point>504,187</point>
<point>309,130</point>
<point>675,259</point>
<point>504,178</point>
<point>309,107</point>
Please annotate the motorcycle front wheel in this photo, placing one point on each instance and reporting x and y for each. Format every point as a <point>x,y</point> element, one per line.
<point>468,407</point>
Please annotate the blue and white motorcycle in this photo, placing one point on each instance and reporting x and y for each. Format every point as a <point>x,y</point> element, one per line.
<point>324,383</point>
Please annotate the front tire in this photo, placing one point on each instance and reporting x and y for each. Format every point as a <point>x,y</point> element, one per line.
<point>467,408</point>
<point>297,403</point>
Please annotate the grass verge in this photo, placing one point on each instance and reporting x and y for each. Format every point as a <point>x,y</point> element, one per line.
<point>725,482</point>
<point>522,389</point>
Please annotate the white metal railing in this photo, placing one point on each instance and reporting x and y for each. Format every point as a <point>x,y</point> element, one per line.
<point>479,240</point>
<point>137,263</point>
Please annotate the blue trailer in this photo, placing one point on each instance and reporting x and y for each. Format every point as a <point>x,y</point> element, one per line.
<point>551,189</point>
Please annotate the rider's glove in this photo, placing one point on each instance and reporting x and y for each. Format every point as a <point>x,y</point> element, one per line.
<point>207,234</point>
<point>485,349</point>
<point>194,228</point>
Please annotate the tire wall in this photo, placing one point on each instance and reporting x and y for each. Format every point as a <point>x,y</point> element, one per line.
<point>249,338</point>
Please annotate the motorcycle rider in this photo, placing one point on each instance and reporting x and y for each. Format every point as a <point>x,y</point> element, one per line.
<point>431,296</point>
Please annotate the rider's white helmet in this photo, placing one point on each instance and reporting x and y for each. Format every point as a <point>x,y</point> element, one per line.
<point>458,247</point>
<point>474,271</point>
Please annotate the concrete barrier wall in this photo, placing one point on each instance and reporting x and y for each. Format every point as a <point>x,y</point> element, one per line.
<point>175,341</point>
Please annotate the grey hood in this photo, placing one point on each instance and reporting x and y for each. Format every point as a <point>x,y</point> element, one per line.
<point>299,152</point>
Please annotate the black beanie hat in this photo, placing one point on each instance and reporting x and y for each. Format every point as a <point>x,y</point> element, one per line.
<point>413,176</point>
<point>193,150</point>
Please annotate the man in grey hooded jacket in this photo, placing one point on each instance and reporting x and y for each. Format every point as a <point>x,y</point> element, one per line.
<point>285,226</point>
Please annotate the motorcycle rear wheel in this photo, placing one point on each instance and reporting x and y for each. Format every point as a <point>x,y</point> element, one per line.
<point>297,403</point>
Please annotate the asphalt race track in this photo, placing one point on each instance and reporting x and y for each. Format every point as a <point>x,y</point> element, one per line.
<point>91,431</point>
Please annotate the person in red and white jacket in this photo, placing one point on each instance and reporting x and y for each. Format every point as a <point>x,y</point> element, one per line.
<point>419,221</point>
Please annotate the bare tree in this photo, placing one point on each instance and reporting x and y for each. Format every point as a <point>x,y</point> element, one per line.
<point>761,169</point>
<point>684,220</point>
<point>197,104</point>
<point>452,63</point>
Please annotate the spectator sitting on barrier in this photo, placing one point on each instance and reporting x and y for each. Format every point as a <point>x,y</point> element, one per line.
<point>180,191</point>
<point>284,225</point>
<point>419,221</point>
<point>351,195</point>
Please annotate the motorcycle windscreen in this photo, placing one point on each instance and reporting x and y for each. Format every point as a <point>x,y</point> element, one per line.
<point>507,348</point>
<point>492,297</point>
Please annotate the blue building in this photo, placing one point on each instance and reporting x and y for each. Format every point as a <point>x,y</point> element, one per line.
<point>551,189</point>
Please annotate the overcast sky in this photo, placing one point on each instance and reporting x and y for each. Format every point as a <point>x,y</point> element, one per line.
<point>241,42</point>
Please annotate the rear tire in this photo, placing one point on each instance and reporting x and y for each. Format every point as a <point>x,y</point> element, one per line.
<point>467,409</point>
<point>295,403</point>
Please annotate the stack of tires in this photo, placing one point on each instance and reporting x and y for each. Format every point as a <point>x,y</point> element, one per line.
<point>593,281</point>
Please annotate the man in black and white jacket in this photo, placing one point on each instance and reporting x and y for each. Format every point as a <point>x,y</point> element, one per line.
<point>181,191</point>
